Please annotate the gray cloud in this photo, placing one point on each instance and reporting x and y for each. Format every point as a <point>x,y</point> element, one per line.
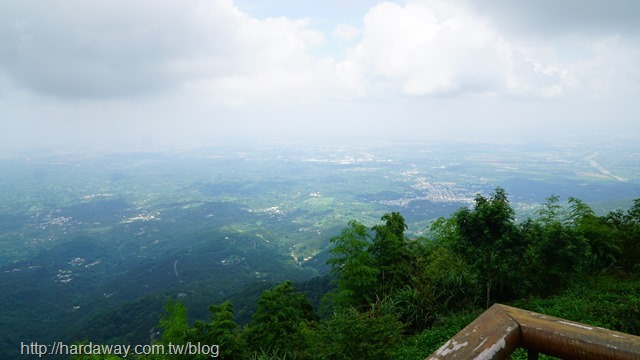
<point>553,18</point>
<point>120,49</point>
<point>104,70</point>
<point>106,48</point>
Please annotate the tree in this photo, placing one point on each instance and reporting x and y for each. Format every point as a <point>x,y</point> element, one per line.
<point>452,284</point>
<point>281,320</point>
<point>389,249</point>
<point>222,330</point>
<point>556,246</point>
<point>487,237</point>
<point>604,246</point>
<point>174,323</point>
<point>563,252</point>
<point>550,211</point>
<point>626,228</point>
<point>631,240</point>
<point>354,267</point>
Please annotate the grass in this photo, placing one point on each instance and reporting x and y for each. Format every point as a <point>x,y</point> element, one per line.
<point>608,301</point>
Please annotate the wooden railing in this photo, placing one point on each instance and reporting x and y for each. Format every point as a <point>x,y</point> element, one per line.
<point>501,329</point>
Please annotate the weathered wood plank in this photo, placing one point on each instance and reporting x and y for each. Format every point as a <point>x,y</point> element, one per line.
<point>493,335</point>
<point>571,340</point>
<point>501,329</point>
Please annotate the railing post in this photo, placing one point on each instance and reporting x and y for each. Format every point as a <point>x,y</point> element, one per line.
<point>572,340</point>
<point>501,329</point>
<point>493,335</point>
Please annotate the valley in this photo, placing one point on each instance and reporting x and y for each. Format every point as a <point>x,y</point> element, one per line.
<point>92,239</point>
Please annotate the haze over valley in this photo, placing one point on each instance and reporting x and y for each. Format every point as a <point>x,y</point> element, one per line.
<point>88,235</point>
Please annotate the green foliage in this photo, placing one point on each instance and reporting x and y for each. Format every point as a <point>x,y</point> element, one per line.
<point>611,302</point>
<point>222,330</point>
<point>604,246</point>
<point>351,334</point>
<point>479,253</point>
<point>551,211</point>
<point>400,298</point>
<point>354,266</point>
<point>444,232</point>
<point>561,252</point>
<point>272,355</point>
<point>487,238</point>
<point>93,356</point>
<point>421,345</point>
<point>567,242</point>
<point>389,249</point>
<point>280,322</point>
<point>174,323</point>
<point>625,227</point>
<point>451,282</point>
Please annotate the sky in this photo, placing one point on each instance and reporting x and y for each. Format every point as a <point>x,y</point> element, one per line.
<point>109,72</point>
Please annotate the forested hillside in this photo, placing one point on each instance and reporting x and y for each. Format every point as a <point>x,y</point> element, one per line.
<point>397,297</point>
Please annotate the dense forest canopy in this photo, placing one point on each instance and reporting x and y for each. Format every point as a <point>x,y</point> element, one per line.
<point>399,297</point>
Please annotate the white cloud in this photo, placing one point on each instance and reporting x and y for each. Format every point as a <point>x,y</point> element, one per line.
<point>204,66</point>
<point>613,68</point>
<point>111,49</point>
<point>426,48</point>
<point>211,49</point>
<point>270,61</point>
<point>436,48</point>
<point>345,32</point>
